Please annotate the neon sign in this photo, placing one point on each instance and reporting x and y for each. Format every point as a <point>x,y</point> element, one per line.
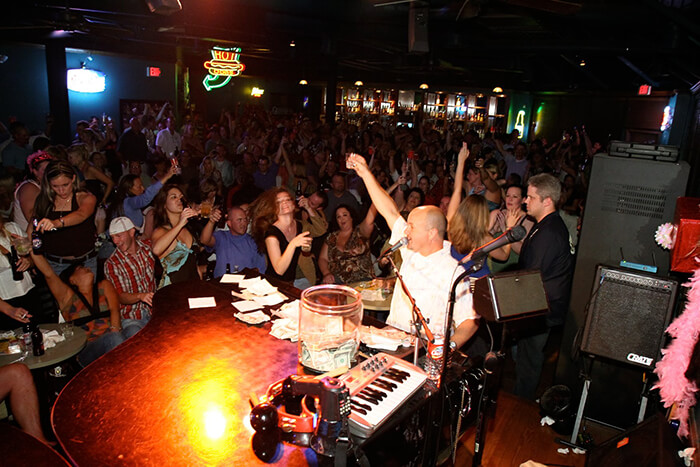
<point>257,92</point>
<point>520,123</point>
<point>223,66</point>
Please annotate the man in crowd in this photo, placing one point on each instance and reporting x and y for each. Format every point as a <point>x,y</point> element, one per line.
<point>168,140</point>
<point>132,145</point>
<point>15,154</point>
<point>235,247</point>
<point>547,247</point>
<point>338,195</point>
<point>266,175</point>
<point>131,270</point>
<point>428,268</point>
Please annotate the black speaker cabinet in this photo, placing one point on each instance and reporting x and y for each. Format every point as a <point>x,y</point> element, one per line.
<point>652,443</point>
<point>627,316</point>
<point>510,295</point>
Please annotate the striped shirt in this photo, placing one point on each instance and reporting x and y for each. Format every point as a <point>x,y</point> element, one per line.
<point>132,274</point>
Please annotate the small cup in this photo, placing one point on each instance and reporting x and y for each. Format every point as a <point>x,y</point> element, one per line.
<point>67,329</point>
<point>205,208</point>
<point>23,245</point>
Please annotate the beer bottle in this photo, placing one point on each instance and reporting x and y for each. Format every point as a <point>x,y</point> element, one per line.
<point>37,341</point>
<point>228,268</point>
<point>37,240</point>
<point>16,275</point>
<point>298,193</point>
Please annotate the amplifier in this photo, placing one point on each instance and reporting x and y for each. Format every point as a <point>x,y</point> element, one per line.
<point>510,295</point>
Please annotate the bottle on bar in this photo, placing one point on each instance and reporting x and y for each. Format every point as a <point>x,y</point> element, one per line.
<point>37,341</point>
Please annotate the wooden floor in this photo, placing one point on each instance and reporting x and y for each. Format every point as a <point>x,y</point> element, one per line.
<point>514,435</point>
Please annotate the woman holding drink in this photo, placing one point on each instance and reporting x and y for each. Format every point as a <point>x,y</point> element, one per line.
<point>286,240</point>
<point>20,294</point>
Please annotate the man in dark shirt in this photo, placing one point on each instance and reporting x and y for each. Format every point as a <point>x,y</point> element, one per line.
<point>132,145</point>
<point>547,248</point>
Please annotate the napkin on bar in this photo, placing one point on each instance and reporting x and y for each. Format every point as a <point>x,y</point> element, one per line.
<point>270,300</point>
<point>285,328</point>
<point>245,305</point>
<point>232,278</point>
<point>384,339</point>
<point>51,338</point>
<point>288,310</point>
<point>256,317</point>
<point>201,302</point>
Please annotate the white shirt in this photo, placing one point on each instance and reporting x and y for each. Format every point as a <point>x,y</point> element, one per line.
<point>9,288</point>
<point>429,279</point>
<point>168,142</point>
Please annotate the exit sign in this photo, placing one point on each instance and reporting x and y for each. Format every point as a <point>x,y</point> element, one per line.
<point>644,90</point>
<point>153,72</point>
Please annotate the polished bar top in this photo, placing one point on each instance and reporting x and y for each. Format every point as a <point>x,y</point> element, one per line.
<point>177,392</point>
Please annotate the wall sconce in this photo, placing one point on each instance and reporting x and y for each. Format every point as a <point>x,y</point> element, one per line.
<point>424,86</point>
<point>359,83</point>
<point>303,82</point>
<point>86,80</point>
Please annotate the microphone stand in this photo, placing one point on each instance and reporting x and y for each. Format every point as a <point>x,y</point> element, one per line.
<point>418,320</point>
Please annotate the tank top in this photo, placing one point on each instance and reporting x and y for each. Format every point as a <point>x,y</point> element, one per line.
<point>78,309</point>
<point>73,241</point>
<point>18,216</point>
<point>291,272</point>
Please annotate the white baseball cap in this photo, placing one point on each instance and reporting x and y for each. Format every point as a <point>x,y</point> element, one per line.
<point>120,224</point>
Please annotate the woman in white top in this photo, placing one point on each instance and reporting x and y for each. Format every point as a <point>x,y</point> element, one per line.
<point>28,190</point>
<point>17,293</point>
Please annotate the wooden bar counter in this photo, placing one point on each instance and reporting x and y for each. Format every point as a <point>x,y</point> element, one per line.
<point>177,392</point>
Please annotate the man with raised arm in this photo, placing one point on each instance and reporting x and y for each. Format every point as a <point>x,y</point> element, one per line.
<point>428,268</point>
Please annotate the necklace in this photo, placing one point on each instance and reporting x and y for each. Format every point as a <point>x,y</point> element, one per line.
<point>62,203</point>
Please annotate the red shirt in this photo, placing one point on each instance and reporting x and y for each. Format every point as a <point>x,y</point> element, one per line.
<point>132,274</point>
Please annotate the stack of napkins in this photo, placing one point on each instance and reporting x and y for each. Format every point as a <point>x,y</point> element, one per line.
<point>256,317</point>
<point>285,328</point>
<point>51,338</point>
<point>384,339</point>
<point>256,293</point>
<point>288,310</point>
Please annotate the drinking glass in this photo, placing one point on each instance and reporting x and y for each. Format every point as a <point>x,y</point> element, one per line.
<point>23,245</point>
<point>205,208</point>
<point>67,329</point>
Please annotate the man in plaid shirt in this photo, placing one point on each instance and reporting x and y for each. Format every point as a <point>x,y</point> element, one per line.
<point>130,270</point>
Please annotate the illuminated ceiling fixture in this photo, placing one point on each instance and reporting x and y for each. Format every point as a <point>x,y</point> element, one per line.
<point>292,44</point>
<point>582,63</point>
<point>497,90</point>
<point>424,86</point>
<point>359,83</point>
<point>303,82</point>
<point>86,80</point>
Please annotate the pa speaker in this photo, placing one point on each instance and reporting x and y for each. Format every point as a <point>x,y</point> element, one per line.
<point>510,295</point>
<point>627,316</point>
<point>418,29</point>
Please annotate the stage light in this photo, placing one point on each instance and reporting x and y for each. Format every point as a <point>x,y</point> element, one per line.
<point>303,82</point>
<point>86,80</point>
<point>424,86</point>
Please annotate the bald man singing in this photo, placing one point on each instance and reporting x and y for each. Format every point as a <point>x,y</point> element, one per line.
<point>428,268</point>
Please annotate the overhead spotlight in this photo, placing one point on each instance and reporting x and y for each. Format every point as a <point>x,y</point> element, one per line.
<point>292,44</point>
<point>582,63</point>
<point>303,82</point>
<point>497,90</point>
<point>424,86</point>
<point>359,83</point>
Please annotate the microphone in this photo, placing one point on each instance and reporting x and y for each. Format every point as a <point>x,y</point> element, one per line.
<point>513,235</point>
<point>396,246</point>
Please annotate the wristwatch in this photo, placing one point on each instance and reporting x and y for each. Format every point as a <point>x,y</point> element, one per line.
<point>453,345</point>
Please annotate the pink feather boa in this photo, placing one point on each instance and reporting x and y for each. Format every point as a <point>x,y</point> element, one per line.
<point>673,386</point>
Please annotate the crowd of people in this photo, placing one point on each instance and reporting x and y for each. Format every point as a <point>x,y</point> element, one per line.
<point>121,216</point>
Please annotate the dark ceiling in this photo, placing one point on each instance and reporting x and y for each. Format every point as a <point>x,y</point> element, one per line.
<point>535,45</point>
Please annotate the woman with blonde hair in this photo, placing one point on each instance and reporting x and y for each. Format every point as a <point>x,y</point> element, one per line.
<point>284,238</point>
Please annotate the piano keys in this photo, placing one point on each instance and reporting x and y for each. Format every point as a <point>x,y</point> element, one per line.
<point>378,387</point>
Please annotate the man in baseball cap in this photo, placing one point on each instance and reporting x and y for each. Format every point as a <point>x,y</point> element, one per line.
<point>131,270</point>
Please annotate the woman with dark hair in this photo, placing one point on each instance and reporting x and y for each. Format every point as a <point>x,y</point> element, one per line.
<point>345,255</point>
<point>66,217</point>
<point>173,243</point>
<point>132,197</point>
<point>94,307</point>
<point>414,198</point>
<point>278,233</point>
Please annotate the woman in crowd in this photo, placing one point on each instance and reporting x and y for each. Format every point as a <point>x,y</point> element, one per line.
<point>468,222</point>
<point>96,182</point>
<point>173,242</point>
<point>27,191</point>
<point>278,233</point>
<point>66,218</point>
<point>498,224</point>
<point>20,294</point>
<point>345,255</point>
<point>208,170</point>
<point>94,307</point>
<point>132,197</point>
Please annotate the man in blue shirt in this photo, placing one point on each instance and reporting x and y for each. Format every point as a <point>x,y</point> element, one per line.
<point>233,247</point>
<point>14,156</point>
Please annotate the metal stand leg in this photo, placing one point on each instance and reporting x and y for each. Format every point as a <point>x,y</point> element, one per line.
<point>581,407</point>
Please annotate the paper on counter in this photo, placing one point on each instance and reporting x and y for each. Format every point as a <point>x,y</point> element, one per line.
<point>232,278</point>
<point>202,302</point>
<point>262,288</point>
<point>269,300</point>
<point>285,328</point>
<point>246,283</point>
<point>384,339</point>
<point>51,338</point>
<point>246,305</point>
<point>255,317</point>
<point>288,310</point>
